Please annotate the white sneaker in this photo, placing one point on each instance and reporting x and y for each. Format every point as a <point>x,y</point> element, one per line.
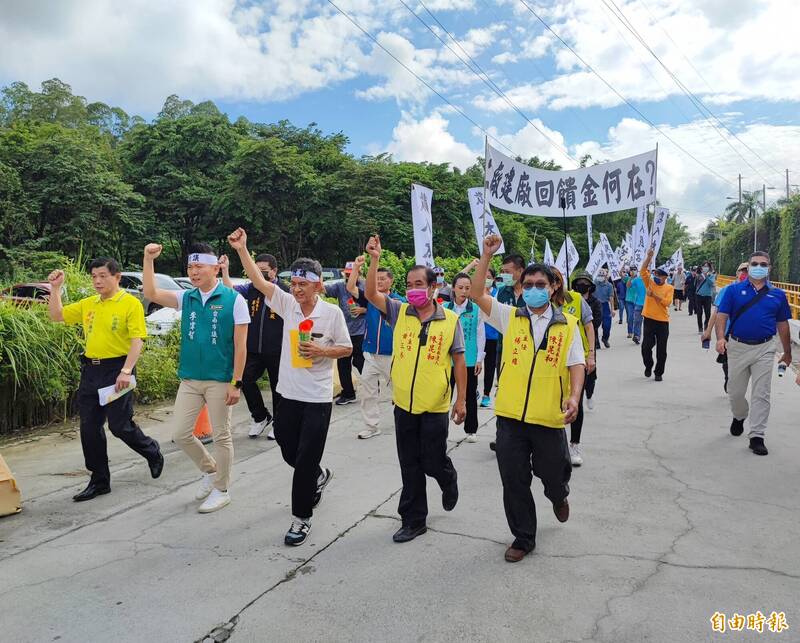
<point>216,500</point>
<point>472,437</point>
<point>206,486</point>
<point>575,455</point>
<point>271,434</point>
<point>257,428</point>
<point>590,403</point>
<point>368,433</point>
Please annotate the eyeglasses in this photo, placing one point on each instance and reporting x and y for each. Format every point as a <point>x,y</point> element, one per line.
<point>539,284</point>
<point>763,264</point>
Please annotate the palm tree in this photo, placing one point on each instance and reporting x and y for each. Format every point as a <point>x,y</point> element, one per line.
<point>741,212</point>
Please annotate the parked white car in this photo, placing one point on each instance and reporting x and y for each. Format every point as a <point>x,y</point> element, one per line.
<point>162,321</point>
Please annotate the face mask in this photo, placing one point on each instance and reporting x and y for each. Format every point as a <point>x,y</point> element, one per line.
<point>508,280</point>
<point>440,281</point>
<point>581,288</point>
<point>658,281</point>
<point>418,297</point>
<point>758,272</point>
<point>535,297</point>
<point>705,270</point>
<point>743,277</point>
<point>489,283</point>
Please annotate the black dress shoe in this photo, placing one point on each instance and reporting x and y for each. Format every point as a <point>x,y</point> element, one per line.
<point>450,496</point>
<point>157,465</point>
<point>737,427</point>
<point>606,343</point>
<point>406,533</point>
<point>758,447</point>
<point>648,372</point>
<point>492,446</point>
<point>659,378</point>
<point>92,491</point>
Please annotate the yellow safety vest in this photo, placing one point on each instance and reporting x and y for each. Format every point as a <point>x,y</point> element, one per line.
<point>534,380</point>
<point>574,308</point>
<point>421,369</point>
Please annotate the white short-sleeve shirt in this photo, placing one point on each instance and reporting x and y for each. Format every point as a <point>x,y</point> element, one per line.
<point>241,314</point>
<point>501,317</point>
<point>313,384</point>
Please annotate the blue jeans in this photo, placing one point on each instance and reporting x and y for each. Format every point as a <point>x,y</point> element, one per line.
<point>606,320</point>
<point>637,321</point>
<point>629,307</point>
<point>622,307</point>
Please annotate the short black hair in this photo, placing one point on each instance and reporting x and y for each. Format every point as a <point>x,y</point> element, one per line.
<point>517,260</point>
<point>106,262</point>
<point>201,248</point>
<point>267,258</point>
<point>386,271</point>
<point>756,253</point>
<point>461,275</point>
<point>430,276</point>
<point>309,265</point>
<point>542,268</point>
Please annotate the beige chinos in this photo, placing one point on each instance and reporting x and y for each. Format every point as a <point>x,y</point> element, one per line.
<point>751,364</point>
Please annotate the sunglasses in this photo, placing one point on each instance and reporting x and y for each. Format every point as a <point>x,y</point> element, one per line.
<point>763,264</point>
<point>539,284</point>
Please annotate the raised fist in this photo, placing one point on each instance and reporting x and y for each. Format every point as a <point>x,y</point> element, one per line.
<point>374,247</point>
<point>56,279</point>
<point>238,239</point>
<point>152,251</point>
<point>492,243</point>
<point>360,261</point>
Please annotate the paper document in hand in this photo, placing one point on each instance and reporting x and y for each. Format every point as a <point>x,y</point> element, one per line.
<point>107,394</point>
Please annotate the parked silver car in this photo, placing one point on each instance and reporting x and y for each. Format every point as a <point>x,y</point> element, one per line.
<point>132,283</point>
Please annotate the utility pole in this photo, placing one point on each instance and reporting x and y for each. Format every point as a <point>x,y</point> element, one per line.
<point>787,184</point>
<point>740,190</point>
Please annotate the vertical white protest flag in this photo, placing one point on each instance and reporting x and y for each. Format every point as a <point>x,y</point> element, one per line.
<point>568,258</point>
<point>482,219</point>
<point>548,254</point>
<point>641,236</point>
<point>610,257</point>
<point>421,198</point>
<point>674,261</point>
<point>657,233</point>
<point>532,259</point>
<point>596,260</point>
<point>589,232</point>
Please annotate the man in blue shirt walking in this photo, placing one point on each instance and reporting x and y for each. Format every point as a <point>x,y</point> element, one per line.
<point>757,312</point>
<point>604,293</point>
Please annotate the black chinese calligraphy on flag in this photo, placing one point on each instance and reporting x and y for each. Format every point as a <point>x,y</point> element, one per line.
<point>608,187</point>
<point>421,198</point>
<point>483,219</point>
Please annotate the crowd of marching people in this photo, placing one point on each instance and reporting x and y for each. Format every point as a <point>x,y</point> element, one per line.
<point>523,341</point>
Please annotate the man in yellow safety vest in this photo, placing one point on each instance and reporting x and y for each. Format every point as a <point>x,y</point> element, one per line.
<point>541,377</point>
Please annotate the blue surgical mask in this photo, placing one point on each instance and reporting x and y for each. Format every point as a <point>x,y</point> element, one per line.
<point>658,281</point>
<point>535,297</point>
<point>508,280</point>
<point>758,272</point>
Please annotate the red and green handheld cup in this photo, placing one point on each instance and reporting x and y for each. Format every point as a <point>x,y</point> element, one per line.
<point>304,330</point>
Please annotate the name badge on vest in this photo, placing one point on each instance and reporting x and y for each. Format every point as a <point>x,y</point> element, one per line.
<point>216,306</point>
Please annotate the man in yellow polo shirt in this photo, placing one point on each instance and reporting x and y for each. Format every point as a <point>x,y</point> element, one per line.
<point>114,330</point>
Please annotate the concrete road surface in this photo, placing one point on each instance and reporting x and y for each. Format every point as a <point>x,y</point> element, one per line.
<point>672,519</point>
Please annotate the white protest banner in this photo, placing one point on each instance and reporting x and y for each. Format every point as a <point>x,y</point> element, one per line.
<point>623,253</point>
<point>589,231</point>
<point>484,222</point>
<point>675,260</point>
<point>611,259</point>
<point>533,256</point>
<point>608,187</point>
<point>548,254</point>
<point>568,258</point>
<point>421,198</point>
<point>657,233</point>
<point>641,236</point>
<point>596,260</point>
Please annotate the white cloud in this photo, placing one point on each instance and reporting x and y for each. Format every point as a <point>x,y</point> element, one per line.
<point>428,139</point>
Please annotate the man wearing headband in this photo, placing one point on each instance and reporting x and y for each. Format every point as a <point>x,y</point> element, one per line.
<point>214,321</point>
<point>305,382</point>
<point>354,311</point>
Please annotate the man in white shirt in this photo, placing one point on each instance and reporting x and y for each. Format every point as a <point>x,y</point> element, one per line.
<point>305,378</point>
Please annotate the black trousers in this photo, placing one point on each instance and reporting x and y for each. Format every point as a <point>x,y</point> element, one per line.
<point>301,429</point>
<point>119,414</point>
<point>655,333</point>
<point>254,368</point>
<point>691,298</point>
<point>422,450</point>
<point>588,389</point>
<point>345,366</point>
<point>489,365</point>
<point>703,307</point>
<point>525,450</point>
<point>471,421</point>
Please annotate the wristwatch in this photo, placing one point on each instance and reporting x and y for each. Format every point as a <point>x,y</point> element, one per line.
<point>126,371</point>
<point>237,383</point>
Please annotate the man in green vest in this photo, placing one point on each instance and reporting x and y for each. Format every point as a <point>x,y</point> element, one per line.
<point>428,344</point>
<point>214,320</point>
<point>541,377</point>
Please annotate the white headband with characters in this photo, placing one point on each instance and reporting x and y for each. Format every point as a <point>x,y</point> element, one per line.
<point>203,258</point>
<point>301,273</point>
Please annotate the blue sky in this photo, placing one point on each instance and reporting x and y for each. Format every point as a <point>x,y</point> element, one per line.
<point>304,61</point>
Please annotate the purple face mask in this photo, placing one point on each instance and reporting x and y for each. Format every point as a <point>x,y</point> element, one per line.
<point>418,297</point>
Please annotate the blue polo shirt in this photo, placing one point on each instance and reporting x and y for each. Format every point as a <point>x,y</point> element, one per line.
<point>759,321</point>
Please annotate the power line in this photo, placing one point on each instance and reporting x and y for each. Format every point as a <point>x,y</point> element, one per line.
<point>699,104</point>
<point>481,73</point>
<point>420,79</point>
<point>621,97</point>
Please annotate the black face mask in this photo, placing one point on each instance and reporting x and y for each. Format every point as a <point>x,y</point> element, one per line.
<point>581,288</point>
